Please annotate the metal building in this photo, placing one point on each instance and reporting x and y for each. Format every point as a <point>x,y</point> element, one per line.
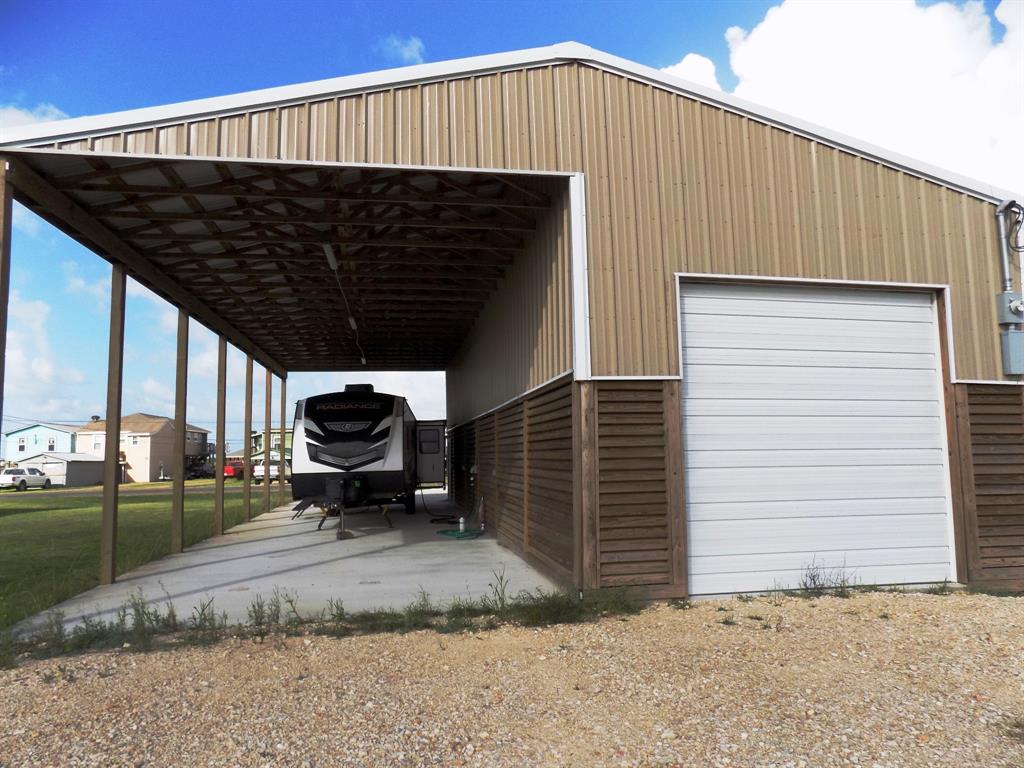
<point>692,345</point>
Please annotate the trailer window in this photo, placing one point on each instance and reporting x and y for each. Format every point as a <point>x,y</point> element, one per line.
<point>430,441</point>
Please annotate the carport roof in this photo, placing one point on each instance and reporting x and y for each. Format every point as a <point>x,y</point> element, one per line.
<point>241,245</point>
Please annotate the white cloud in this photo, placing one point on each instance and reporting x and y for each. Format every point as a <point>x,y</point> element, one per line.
<point>697,69</point>
<point>98,288</point>
<point>407,50</point>
<point>38,383</point>
<point>11,115</point>
<point>927,82</point>
<point>25,221</point>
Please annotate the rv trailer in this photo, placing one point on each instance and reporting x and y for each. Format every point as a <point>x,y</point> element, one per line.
<point>360,447</point>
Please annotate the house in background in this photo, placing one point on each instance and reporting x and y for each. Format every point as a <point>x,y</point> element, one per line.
<point>68,469</point>
<point>257,439</point>
<point>34,439</point>
<point>147,445</point>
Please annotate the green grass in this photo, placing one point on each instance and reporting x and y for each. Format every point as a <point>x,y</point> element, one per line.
<point>51,540</point>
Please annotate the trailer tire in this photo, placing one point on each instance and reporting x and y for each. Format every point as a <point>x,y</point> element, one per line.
<point>410,503</point>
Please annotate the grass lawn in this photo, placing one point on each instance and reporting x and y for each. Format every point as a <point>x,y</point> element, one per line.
<point>50,541</point>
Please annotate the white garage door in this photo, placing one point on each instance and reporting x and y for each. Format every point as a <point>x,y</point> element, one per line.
<point>814,433</point>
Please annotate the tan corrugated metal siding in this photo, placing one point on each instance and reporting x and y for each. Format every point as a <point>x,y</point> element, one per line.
<point>523,336</point>
<point>672,185</point>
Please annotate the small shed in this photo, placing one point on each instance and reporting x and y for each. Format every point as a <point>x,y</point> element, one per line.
<point>68,469</point>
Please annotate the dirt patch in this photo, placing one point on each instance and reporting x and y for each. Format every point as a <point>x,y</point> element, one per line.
<point>876,680</point>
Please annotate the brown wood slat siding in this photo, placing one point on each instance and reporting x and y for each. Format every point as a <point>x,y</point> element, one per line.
<point>672,185</point>
<point>524,458</point>
<point>461,459</point>
<point>990,423</point>
<point>486,480</point>
<point>548,470</point>
<point>509,474</point>
<point>634,530</point>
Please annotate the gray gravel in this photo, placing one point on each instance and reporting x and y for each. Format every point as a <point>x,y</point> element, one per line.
<point>877,680</point>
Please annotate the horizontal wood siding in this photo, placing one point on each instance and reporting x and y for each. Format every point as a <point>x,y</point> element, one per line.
<point>990,422</point>
<point>462,456</point>
<point>524,460</point>
<point>673,184</point>
<point>638,494</point>
<point>548,471</point>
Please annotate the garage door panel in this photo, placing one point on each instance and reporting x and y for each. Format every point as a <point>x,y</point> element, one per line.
<point>744,308</point>
<point>739,484</point>
<point>807,330</point>
<point>842,382</point>
<point>812,423</point>
<point>824,457</point>
<point>754,581</point>
<point>831,295</point>
<point>793,510</point>
<point>696,356</point>
<point>722,406</point>
<point>720,538</point>
<point>771,433</point>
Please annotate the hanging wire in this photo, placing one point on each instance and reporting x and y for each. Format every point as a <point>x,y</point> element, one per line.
<point>332,262</point>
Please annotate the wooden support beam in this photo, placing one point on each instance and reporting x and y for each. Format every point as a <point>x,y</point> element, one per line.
<point>218,480</point>
<point>180,433</point>
<point>112,445</point>
<point>365,242</point>
<point>281,458</point>
<point>234,190</point>
<point>267,392</point>
<point>81,224</point>
<point>6,216</point>
<point>247,447</point>
<point>314,218</point>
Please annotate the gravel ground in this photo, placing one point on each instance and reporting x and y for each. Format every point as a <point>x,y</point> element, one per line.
<point>876,680</point>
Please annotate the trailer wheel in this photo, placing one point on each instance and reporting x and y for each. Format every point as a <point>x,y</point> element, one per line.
<point>410,503</point>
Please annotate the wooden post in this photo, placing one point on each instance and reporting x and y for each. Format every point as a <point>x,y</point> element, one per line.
<point>672,404</point>
<point>112,446</point>
<point>247,448</point>
<point>218,481</point>
<point>6,214</point>
<point>180,432</point>
<point>267,391</point>
<point>281,458</point>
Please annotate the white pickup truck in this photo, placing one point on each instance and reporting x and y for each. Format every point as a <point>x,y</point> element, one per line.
<point>275,470</point>
<point>22,479</point>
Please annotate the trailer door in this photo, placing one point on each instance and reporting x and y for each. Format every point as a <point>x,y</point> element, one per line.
<point>430,463</point>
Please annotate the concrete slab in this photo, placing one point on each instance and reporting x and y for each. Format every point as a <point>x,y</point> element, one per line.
<point>379,567</point>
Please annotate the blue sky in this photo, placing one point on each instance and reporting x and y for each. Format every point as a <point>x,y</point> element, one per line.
<point>76,58</point>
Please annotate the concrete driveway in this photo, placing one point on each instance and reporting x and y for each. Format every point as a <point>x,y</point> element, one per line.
<point>379,567</point>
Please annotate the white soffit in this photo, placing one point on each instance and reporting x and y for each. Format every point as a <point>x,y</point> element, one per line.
<point>66,130</point>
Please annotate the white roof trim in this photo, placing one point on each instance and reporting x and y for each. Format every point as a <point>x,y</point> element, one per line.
<point>65,130</point>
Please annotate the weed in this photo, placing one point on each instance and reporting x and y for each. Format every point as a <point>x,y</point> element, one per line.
<point>616,602</point>
<point>335,610</point>
<point>257,612</point>
<point>497,601</point>
<point>818,581</point>
<point>722,609</point>
<point>202,627</point>
<point>681,604</point>
<point>939,589</point>
<point>1015,729</point>
<point>745,598</point>
<point>53,636</point>
<point>884,615</point>
<point>728,621</point>
<point>755,617</point>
